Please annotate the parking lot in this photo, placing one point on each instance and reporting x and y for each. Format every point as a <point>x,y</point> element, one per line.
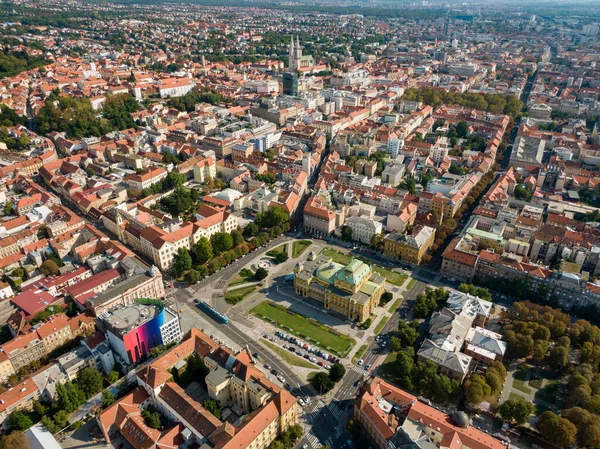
<point>302,349</point>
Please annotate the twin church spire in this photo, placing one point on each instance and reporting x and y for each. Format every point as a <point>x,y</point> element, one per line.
<point>295,55</point>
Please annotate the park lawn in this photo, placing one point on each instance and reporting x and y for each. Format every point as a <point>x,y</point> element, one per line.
<point>392,277</point>
<point>236,295</point>
<point>396,304</point>
<point>336,256</point>
<point>299,246</point>
<point>243,277</point>
<point>519,381</point>
<point>380,325</point>
<point>305,328</point>
<point>536,382</point>
<point>280,249</point>
<point>515,396</point>
<point>361,351</point>
<point>411,284</point>
<point>287,355</point>
<point>548,392</point>
<point>344,259</point>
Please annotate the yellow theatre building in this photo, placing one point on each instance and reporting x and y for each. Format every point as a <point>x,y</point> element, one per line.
<point>352,290</point>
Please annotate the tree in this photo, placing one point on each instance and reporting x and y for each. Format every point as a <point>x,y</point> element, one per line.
<point>517,410</point>
<point>49,424</point>
<point>179,202</point>
<point>221,242</point>
<point>20,420</point>
<point>152,419</point>
<point>251,229</point>
<point>396,344</point>
<point>275,216</point>
<point>476,389</point>
<point>409,185</point>
<point>559,430</point>
<point>337,372</point>
<point>322,383</point>
<point>296,432</point>
<point>192,276</point>
<point>61,419</point>
<point>213,406</point>
<point>260,274</point>
<point>112,377</point>
<point>281,257</point>
<point>346,234</point>
<point>386,297</point>
<point>38,408</point>
<point>407,332</point>
<point>90,382</point>
<point>14,440</point>
<point>183,261</point>
<point>237,237</point>
<point>462,129</point>
<point>558,357</point>
<point>203,250</point>
<point>8,208</point>
<point>276,444</point>
<point>376,240</point>
<point>49,267</point>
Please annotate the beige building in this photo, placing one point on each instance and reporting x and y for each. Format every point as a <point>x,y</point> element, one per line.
<point>410,248</point>
<point>143,181</point>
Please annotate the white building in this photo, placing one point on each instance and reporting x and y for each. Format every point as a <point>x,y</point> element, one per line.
<point>363,229</point>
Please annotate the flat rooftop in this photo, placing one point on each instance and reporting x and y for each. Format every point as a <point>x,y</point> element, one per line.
<point>124,319</point>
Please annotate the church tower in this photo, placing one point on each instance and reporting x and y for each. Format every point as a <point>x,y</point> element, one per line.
<point>295,55</point>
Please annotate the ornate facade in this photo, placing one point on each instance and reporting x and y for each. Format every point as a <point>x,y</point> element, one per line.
<point>353,290</point>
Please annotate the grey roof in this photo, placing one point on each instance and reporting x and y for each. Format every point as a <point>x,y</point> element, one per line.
<point>453,361</point>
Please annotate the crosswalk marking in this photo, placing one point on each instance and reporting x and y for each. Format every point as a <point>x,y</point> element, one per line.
<point>338,432</point>
<point>358,369</point>
<point>329,442</point>
<point>334,410</point>
<point>312,439</point>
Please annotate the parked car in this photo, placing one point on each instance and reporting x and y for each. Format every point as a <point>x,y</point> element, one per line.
<point>306,356</point>
<point>268,367</point>
<point>327,367</point>
<point>320,363</point>
<point>312,359</point>
<point>274,372</point>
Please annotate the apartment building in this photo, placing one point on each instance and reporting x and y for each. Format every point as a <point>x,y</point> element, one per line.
<point>233,380</point>
<point>160,243</point>
<point>392,418</point>
<point>318,218</point>
<point>19,397</point>
<point>145,180</point>
<point>41,340</point>
<point>205,169</point>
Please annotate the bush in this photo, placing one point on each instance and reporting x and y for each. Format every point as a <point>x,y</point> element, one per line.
<point>260,274</point>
